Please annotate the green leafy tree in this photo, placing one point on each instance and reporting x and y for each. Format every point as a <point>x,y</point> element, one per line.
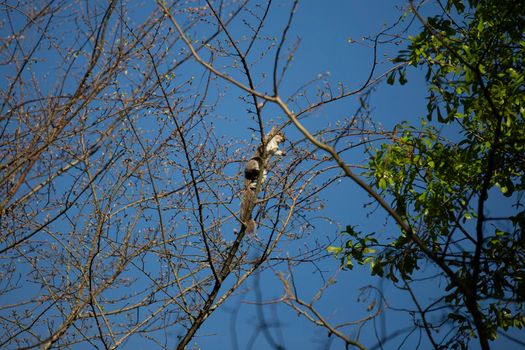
<point>450,178</point>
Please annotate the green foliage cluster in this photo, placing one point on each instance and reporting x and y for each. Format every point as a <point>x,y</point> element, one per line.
<point>445,175</point>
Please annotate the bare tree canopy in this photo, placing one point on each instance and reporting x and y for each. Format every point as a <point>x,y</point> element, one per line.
<point>158,166</point>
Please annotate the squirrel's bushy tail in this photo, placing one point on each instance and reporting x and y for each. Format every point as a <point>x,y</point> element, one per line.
<point>248,198</point>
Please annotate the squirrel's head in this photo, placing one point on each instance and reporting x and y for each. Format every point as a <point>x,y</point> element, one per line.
<point>279,137</point>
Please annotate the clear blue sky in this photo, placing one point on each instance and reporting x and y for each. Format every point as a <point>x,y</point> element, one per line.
<point>331,44</point>
<point>324,28</point>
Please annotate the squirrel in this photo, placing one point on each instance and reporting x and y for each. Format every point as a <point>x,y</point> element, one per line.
<point>252,173</point>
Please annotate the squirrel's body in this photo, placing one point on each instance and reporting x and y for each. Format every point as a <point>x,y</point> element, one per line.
<point>252,173</point>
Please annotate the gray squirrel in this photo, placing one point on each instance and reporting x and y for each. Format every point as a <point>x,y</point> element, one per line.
<point>252,171</point>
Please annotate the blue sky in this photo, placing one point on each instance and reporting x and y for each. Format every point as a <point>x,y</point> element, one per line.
<point>330,35</point>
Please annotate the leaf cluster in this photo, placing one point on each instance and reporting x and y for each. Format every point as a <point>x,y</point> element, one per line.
<point>470,151</point>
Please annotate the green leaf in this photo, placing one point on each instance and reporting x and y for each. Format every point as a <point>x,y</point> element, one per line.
<point>391,78</point>
<point>334,250</point>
